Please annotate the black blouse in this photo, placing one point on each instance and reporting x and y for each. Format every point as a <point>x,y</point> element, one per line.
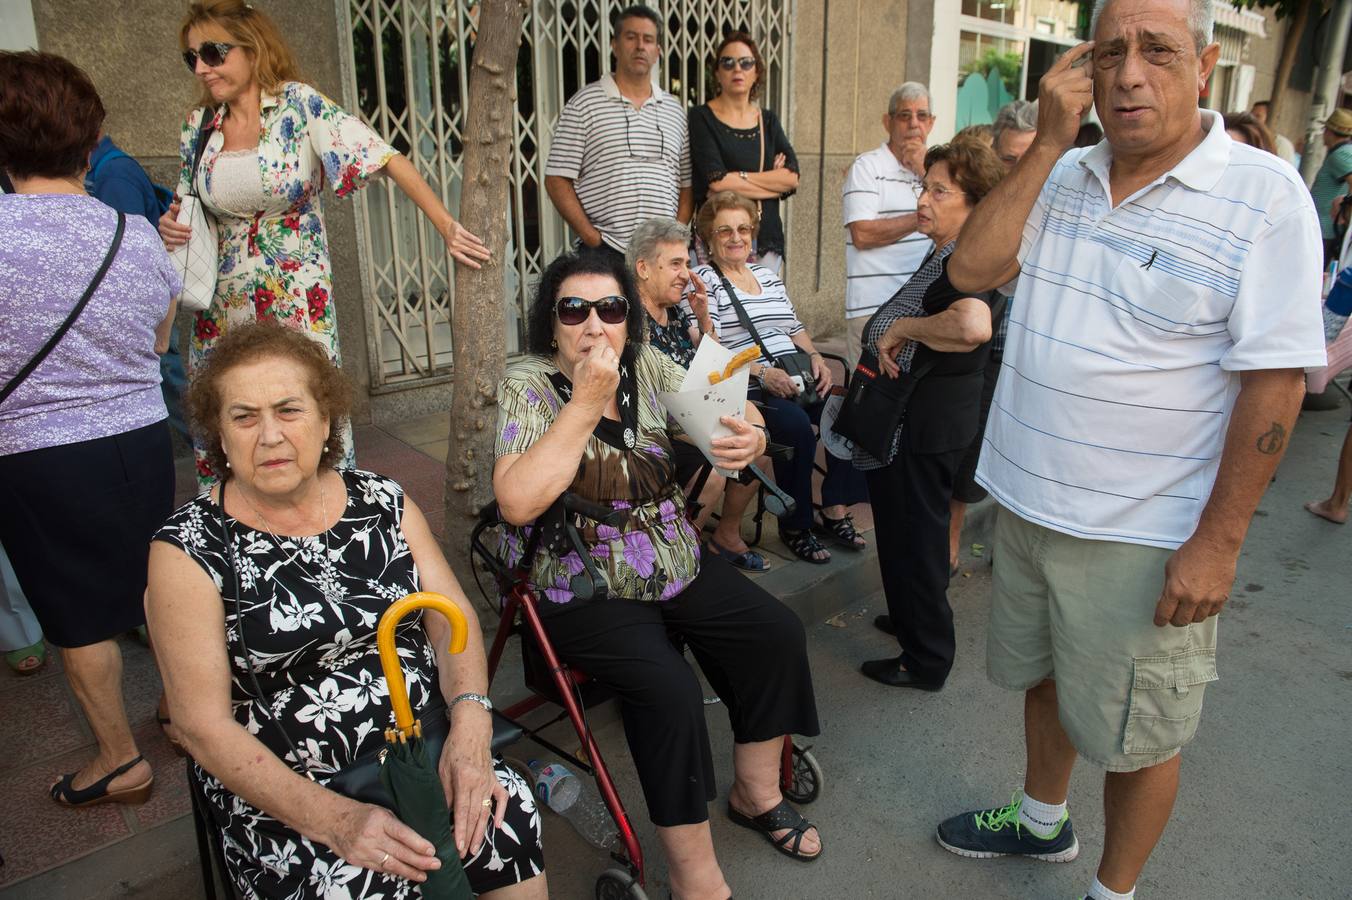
<point>717,149</point>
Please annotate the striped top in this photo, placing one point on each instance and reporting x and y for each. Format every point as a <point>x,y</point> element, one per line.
<point>1330,182</point>
<point>770,311</point>
<point>1131,327</point>
<point>627,164</point>
<point>879,187</point>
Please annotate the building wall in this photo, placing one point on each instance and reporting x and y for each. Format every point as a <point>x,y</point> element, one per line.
<point>870,48</point>
<point>130,50</point>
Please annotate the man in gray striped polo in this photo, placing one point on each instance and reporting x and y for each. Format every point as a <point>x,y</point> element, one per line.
<point>1168,302</point>
<point>621,154</point>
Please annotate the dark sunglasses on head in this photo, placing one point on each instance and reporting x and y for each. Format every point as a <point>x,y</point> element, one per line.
<point>575,310</point>
<point>211,52</point>
<point>745,63</point>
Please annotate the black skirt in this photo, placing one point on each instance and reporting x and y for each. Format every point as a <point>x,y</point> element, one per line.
<point>76,522</point>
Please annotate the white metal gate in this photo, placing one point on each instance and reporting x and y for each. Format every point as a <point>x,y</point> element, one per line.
<point>406,74</point>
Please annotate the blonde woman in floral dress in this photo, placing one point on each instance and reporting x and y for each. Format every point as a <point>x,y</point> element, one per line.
<point>274,142</point>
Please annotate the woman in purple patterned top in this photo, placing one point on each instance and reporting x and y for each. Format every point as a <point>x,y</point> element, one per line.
<point>581,414</point>
<point>86,470</point>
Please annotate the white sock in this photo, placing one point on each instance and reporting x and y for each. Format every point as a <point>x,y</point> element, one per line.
<point>1043,819</point>
<point>1099,892</point>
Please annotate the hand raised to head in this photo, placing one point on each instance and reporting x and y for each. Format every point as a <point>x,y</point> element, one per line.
<point>1065,94</point>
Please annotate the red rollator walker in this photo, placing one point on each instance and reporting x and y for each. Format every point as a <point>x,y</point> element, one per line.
<point>552,682</point>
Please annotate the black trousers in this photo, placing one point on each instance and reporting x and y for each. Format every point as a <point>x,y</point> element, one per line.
<point>751,647</point>
<point>910,517</point>
<point>965,487</point>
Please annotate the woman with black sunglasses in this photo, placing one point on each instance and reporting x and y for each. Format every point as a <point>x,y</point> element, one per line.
<point>581,413</point>
<point>736,145</point>
<point>271,143</point>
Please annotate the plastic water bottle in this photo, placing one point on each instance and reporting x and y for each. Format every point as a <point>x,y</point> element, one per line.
<point>575,800</point>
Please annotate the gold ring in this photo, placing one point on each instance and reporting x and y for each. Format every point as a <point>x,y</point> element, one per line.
<point>488,801</point>
<point>381,864</point>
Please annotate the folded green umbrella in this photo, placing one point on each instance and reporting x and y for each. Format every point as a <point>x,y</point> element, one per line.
<point>409,772</point>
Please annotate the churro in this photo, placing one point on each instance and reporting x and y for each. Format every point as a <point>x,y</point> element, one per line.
<point>746,357</point>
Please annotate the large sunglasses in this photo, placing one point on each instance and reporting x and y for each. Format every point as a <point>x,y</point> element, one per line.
<point>211,52</point>
<point>745,63</point>
<point>574,310</point>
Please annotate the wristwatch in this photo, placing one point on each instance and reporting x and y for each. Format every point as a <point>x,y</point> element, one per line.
<point>472,698</point>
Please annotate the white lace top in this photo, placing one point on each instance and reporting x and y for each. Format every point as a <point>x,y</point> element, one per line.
<point>236,186</point>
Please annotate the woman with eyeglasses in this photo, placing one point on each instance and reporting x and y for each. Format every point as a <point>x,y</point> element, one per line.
<point>274,142</point>
<point>581,413</point>
<point>736,145</point>
<point>942,337</point>
<point>742,292</point>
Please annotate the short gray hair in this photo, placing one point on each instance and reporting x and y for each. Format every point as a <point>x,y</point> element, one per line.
<point>1017,115</point>
<point>649,235</point>
<point>1201,20</point>
<point>908,92</point>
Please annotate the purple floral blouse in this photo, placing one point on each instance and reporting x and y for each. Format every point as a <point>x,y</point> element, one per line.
<point>655,553</point>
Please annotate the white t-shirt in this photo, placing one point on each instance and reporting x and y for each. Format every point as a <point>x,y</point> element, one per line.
<point>879,187</point>
<point>1122,362</point>
<point>770,311</point>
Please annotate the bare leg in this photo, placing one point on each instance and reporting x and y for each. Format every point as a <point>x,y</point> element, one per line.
<point>691,863</point>
<point>1335,507</point>
<point>1051,756</point>
<point>957,511</point>
<point>713,489</point>
<point>95,674</point>
<point>736,498</point>
<point>755,788</point>
<point>1136,807</point>
<point>536,888</point>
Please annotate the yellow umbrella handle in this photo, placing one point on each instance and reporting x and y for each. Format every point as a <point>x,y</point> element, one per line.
<point>389,657</point>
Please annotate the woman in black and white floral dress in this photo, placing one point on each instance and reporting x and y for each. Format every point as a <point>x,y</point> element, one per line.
<point>318,554</point>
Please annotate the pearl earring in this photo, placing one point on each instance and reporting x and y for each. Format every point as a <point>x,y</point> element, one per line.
<point>326,448</point>
<point>227,463</point>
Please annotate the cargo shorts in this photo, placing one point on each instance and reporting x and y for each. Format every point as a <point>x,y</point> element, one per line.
<point>1129,693</point>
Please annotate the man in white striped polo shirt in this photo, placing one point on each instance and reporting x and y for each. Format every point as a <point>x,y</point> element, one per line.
<point>621,153</point>
<point>882,247</point>
<point>1168,301</point>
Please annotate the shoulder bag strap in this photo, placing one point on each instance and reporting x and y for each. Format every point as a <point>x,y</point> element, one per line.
<point>55,339</point>
<point>200,148</point>
<point>741,312</point>
<point>760,131</point>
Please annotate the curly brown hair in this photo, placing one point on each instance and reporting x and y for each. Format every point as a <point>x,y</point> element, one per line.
<point>972,164</point>
<point>718,201</point>
<point>264,340</point>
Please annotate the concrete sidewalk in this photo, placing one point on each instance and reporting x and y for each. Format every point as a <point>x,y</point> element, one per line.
<point>149,851</point>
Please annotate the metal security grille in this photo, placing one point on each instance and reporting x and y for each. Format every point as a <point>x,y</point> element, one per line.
<point>407,74</point>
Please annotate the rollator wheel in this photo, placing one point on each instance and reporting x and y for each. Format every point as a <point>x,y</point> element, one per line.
<point>617,884</point>
<point>807,776</point>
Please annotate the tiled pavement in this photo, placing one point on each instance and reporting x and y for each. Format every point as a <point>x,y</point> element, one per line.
<point>44,735</point>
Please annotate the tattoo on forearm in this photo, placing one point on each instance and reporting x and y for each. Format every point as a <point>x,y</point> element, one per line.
<point>1273,440</point>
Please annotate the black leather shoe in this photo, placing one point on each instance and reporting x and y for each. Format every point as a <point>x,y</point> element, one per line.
<point>884,624</point>
<point>890,673</point>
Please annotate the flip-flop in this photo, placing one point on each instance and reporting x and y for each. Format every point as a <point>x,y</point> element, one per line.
<point>779,818</point>
<point>748,560</point>
<point>27,660</point>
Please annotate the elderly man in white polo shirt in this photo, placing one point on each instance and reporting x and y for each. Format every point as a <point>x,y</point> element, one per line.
<point>882,247</point>
<point>1169,286</point>
<point>621,152</point>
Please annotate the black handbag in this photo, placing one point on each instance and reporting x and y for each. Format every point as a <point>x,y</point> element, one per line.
<point>875,406</point>
<point>360,779</point>
<point>797,365</point>
<point>13,384</point>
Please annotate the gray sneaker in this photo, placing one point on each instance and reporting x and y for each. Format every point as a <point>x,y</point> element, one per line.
<point>988,833</point>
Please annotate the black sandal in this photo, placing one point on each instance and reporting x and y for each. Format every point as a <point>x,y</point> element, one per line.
<point>842,531</point>
<point>781,817</point>
<point>96,793</point>
<point>805,545</point>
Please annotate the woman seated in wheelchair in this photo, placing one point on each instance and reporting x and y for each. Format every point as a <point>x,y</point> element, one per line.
<point>581,414</point>
<point>264,597</point>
